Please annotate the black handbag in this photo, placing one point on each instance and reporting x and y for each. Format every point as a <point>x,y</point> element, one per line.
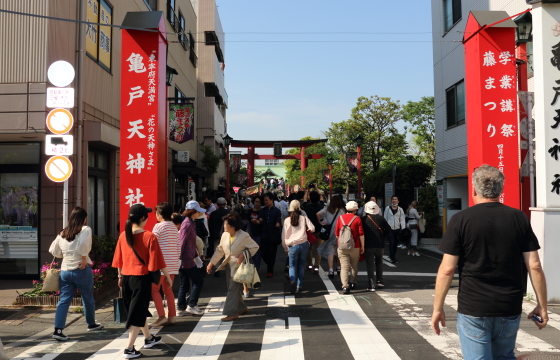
<point>155,276</point>
<point>325,233</point>
<point>119,309</point>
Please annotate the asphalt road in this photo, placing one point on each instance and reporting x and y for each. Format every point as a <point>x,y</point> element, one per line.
<point>318,323</point>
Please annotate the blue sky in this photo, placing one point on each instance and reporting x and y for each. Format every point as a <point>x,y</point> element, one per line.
<point>284,83</point>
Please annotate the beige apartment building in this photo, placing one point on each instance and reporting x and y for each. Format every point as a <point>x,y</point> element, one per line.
<point>34,37</point>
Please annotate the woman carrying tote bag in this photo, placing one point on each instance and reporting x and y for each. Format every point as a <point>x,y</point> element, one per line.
<point>73,245</point>
<point>137,254</point>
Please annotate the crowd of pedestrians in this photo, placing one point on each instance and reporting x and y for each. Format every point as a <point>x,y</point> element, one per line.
<point>214,234</point>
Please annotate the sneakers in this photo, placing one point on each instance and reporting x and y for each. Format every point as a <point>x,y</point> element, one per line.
<point>58,335</point>
<point>316,271</point>
<point>331,274</point>
<point>131,353</point>
<point>194,310</point>
<point>246,295</point>
<point>415,254</point>
<point>293,287</point>
<point>370,289</point>
<point>346,291</point>
<point>94,327</point>
<point>309,267</point>
<point>401,247</point>
<point>393,261</point>
<point>183,313</point>
<point>409,253</point>
<point>353,286</point>
<point>380,285</point>
<point>151,341</point>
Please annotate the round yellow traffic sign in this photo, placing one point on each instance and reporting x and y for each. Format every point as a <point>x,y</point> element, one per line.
<point>60,121</point>
<point>58,168</point>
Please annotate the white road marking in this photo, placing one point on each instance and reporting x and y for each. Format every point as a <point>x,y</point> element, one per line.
<point>525,341</point>
<point>446,343</point>
<point>362,337</point>
<point>280,343</point>
<point>389,273</point>
<point>40,335</point>
<point>281,301</point>
<point>290,300</point>
<point>387,261</point>
<point>207,339</point>
<point>51,349</point>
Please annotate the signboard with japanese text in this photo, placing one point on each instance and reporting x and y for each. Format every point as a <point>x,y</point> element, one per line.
<point>60,97</point>
<point>492,109</point>
<point>143,139</point>
<point>92,15</point>
<point>105,17</point>
<point>235,163</point>
<point>326,176</point>
<point>181,122</point>
<point>352,161</point>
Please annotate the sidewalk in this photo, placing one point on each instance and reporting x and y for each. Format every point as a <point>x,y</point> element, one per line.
<point>9,290</point>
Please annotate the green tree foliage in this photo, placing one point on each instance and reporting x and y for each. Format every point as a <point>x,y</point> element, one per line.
<point>210,161</point>
<point>314,171</point>
<point>409,175</point>
<point>420,115</point>
<point>427,197</point>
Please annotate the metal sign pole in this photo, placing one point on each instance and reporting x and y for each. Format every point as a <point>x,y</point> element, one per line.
<point>65,205</point>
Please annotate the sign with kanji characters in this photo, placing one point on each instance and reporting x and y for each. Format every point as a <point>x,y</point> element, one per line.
<point>235,163</point>
<point>143,130</point>
<point>181,122</point>
<point>60,97</point>
<point>491,100</point>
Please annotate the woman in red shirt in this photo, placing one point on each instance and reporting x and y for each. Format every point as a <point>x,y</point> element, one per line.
<point>137,253</point>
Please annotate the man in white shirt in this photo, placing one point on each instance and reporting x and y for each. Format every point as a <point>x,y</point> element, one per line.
<point>394,215</point>
<point>209,205</point>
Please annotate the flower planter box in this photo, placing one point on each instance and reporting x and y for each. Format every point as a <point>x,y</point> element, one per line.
<point>99,295</point>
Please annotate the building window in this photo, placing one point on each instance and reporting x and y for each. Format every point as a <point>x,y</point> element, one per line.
<point>171,13</point>
<point>19,210</point>
<point>271,162</point>
<point>455,100</point>
<point>451,13</point>
<point>98,191</point>
<point>179,96</point>
<point>192,55</point>
<point>182,36</point>
<point>151,4</point>
<point>98,38</point>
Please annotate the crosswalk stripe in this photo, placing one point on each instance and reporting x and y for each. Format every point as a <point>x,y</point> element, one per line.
<point>51,349</point>
<point>280,343</point>
<point>387,261</point>
<point>446,343</point>
<point>525,341</point>
<point>362,337</point>
<point>207,339</point>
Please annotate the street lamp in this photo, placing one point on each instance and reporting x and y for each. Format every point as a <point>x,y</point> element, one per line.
<point>524,28</point>
<point>330,161</point>
<point>227,140</point>
<point>169,72</point>
<point>359,141</point>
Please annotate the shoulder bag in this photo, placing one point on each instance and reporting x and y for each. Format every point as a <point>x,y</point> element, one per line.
<point>154,275</point>
<point>245,271</point>
<point>325,233</point>
<point>52,279</point>
<point>373,221</point>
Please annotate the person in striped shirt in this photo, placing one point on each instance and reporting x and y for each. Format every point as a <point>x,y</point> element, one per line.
<point>168,239</point>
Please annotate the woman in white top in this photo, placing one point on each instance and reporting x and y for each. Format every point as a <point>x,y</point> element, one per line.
<point>295,243</point>
<point>73,245</point>
<point>413,217</point>
<point>168,239</point>
<point>328,218</point>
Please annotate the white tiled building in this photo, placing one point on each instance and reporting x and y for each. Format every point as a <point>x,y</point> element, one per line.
<point>449,18</point>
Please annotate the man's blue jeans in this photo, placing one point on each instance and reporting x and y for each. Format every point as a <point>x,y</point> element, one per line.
<point>393,237</point>
<point>298,257</point>
<point>484,338</point>
<point>186,276</point>
<point>69,282</point>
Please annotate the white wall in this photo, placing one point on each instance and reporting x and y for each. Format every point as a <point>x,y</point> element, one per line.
<point>457,188</point>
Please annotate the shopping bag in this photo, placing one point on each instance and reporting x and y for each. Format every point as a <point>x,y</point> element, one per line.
<point>52,279</point>
<point>119,309</point>
<point>244,273</point>
<point>422,225</point>
<point>311,237</point>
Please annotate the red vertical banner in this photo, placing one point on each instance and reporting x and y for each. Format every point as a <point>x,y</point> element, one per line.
<point>491,99</point>
<point>143,123</point>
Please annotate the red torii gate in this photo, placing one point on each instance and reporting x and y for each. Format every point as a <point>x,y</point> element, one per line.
<point>251,145</point>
